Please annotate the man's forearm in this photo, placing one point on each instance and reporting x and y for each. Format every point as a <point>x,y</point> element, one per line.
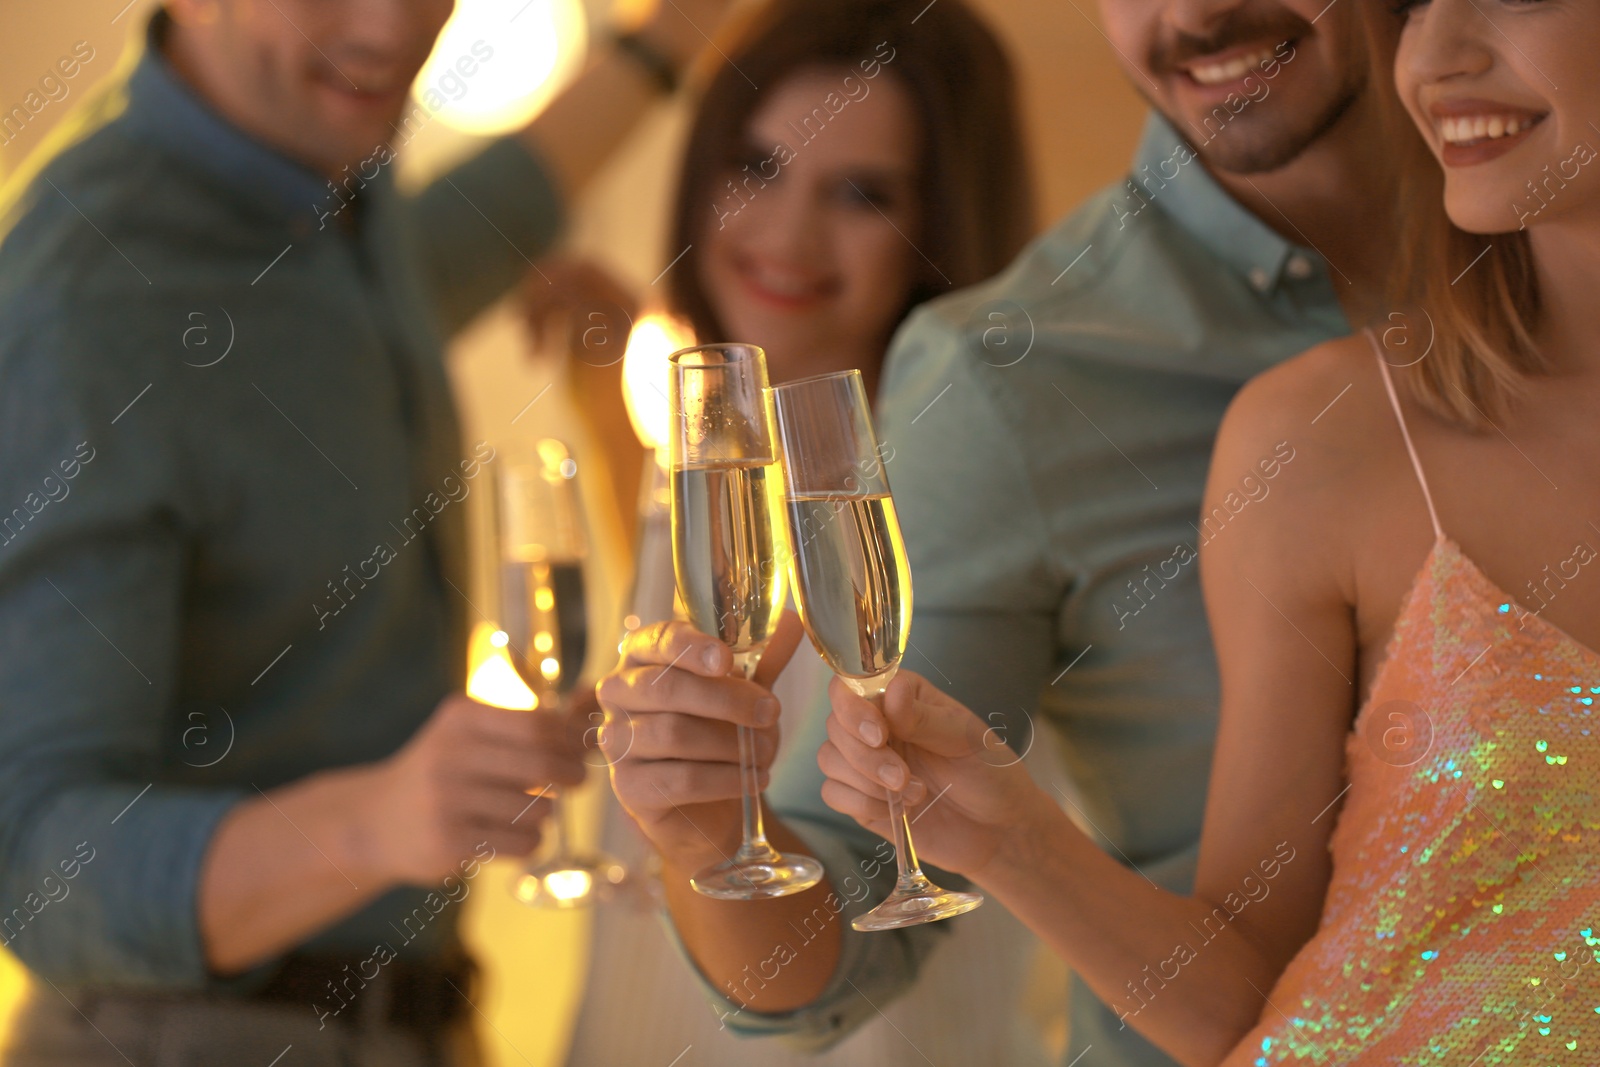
<point>285,865</point>
<point>769,955</point>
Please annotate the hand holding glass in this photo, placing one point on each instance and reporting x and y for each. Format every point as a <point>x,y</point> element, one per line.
<point>725,539</point>
<point>853,583</point>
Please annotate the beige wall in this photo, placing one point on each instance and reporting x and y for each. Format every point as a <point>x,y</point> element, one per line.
<point>1083,120</point>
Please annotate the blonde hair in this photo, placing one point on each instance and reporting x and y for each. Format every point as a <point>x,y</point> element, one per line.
<point>1479,292</point>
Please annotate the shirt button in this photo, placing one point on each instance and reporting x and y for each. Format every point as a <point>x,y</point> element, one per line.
<point>1260,279</point>
<point>1299,267</point>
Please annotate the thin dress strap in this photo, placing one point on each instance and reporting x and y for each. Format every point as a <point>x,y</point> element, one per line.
<point>1411,449</point>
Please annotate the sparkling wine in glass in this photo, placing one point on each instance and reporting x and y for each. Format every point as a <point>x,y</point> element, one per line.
<point>726,538</point>
<point>853,583</point>
<point>545,624</point>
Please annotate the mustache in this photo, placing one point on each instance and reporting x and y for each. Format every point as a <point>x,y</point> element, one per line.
<point>1167,56</point>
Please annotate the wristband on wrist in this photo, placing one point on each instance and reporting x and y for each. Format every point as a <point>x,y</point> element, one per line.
<point>657,66</point>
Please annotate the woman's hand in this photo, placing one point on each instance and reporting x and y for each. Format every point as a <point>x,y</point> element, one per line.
<point>585,301</point>
<point>672,708</point>
<point>967,792</point>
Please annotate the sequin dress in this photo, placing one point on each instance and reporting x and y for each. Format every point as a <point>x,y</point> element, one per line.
<point>1460,921</point>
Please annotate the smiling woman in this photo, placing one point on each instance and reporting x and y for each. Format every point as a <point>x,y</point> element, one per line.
<point>859,181</point>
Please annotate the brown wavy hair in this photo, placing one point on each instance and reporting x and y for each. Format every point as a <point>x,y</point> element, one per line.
<point>976,197</point>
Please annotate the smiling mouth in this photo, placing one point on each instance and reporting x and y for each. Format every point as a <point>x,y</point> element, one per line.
<point>367,90</point>
<point>784,287</point>
<point>1209,73</point>
<point>1462,131</point>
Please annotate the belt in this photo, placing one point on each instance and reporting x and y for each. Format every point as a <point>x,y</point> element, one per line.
<point>424,997</point>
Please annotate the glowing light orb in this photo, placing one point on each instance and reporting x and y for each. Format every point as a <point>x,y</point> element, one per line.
<point>499,62</point>
<point>645,374</point>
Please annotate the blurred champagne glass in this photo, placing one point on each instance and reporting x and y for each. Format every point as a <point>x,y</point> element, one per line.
<point>544,620</point>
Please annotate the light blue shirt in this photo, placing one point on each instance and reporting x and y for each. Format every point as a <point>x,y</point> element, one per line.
<point>1051,430</point>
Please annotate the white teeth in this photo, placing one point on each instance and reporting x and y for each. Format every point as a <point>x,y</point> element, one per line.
<point>783,286</point>
<point>1464,128</point>
<point>1233,70</point>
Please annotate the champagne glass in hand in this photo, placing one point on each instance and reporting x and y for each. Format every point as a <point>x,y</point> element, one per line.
<point>543,617</point>
<point>854,583</point>
<point>725,538</point>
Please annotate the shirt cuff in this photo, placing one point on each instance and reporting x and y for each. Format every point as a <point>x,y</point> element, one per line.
<point>873,968</point>
<point>112,887</point>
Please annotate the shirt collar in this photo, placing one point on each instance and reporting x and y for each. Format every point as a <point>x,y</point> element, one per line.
<point>164,109</point>
<point>1167,171</point>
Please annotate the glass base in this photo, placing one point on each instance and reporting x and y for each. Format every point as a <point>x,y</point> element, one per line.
<point>916,900</point>
<point>567,882</point>
<point>759,874</point>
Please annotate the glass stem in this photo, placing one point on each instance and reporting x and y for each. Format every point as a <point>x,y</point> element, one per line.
<point>562,824</point>
<point>753,845</point>
<point>905,853</point>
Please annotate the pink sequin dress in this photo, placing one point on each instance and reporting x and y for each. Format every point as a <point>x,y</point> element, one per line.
<point>1460,920</point>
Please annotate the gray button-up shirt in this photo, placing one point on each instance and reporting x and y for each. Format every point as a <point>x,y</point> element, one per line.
<point>231,507</point>
<point>1051,431</point>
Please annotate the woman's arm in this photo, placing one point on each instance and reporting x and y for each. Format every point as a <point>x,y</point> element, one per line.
<point>1191,973</point>
<point>578,131</point>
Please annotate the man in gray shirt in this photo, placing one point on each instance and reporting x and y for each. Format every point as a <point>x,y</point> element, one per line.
<point>241,793</point>
<point>1051,431</point>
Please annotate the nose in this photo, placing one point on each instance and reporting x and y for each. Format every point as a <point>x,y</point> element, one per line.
<point>381,34</point>
<point>791,224</point>
<point>1445,39</point>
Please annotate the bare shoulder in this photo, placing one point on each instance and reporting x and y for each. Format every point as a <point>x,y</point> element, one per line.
<point>1329,403</point>
<point>1315,434</point>
<point>1304,396</point>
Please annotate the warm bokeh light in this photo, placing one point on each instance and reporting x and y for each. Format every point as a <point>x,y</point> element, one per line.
<point>644,374</point>
<point>491,678</point>
<point>631,14</point>
<point>568,885</point>
<point>498,63</point>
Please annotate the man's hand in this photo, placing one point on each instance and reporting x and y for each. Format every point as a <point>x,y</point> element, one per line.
<point>968,791</point>
<point>671,715</point>
<point>472,774</point>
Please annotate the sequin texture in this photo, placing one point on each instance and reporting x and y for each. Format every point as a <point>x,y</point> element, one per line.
<point>1460,922</point>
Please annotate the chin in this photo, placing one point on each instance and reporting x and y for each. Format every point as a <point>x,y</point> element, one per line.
<point>1476,219</point>
<point>1489,208</point>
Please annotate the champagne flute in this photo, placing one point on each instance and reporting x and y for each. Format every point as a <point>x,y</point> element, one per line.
<point>545,623</point>
<point>725,538</point>
<point>853,582</point>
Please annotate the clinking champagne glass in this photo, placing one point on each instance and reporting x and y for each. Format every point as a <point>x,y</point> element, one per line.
<point>543,617</point>
<point>854,584</point>
<point>726,536</point>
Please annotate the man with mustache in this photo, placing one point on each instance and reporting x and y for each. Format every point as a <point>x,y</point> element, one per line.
<point>231,660</point>
<point>1051,432</point>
